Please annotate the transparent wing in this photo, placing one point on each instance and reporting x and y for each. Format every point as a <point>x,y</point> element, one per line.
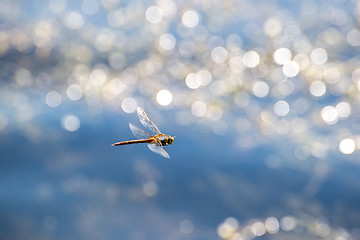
<point>140,134</point>
<point>146,121</point>
<point>157,148</point>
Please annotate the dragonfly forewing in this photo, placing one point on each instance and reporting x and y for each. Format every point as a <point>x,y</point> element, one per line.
<point>146,121</point>
<point>139,133</point>
<point>157,148</point>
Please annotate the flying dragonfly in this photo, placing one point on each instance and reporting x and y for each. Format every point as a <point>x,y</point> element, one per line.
<point>156,140</point>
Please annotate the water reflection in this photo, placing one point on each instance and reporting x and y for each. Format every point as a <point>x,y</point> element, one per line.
<point>267,81</point>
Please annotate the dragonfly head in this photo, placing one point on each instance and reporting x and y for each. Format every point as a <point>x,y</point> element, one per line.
<point>170,140</point>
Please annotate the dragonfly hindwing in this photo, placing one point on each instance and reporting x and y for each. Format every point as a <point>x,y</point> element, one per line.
<point>156,148</point>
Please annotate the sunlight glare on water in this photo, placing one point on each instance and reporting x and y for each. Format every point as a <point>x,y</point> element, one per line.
<point>74,92</point>
<point>282,56</point>
<point>129,105</point>
<point>219,54</point>
<point>199,109</point>
<point>329,115</point>
<point>260,89</point>
<point>272,225</point>
<point>190,19</point>
<point>319,56</point>
<point>347,146</point>
<point>251,59</point>
<point>288,223</point>
<point>291,69</point>
<point>273,27</point>
<point>353,37</point>
<point>205,77</point>
<point>281,108</point>
<point>227,229</point>
<point>168,7</point>
<point>317,88</point>
<point>343,109</point>
<point>302,60</point>
<point>258,228</point>
<point>74,20</point>
<point>53,99</point>
<point>154,14</point>
<point>332,75</point>
<point>164,97</point>
<point>193,80</point>
<point>271,80</point>
<point>70,123</point>
<point>167,43</point>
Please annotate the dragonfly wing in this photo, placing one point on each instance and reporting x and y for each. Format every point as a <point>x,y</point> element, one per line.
<point>156,148</point>
<point>140,134</point>
<point>146,121</point>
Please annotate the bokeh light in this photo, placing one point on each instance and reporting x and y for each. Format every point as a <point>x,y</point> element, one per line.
<point>317,88</point>
<point>167,42</point>
<point>347,146</point>
<point>273,27</point>
<point>190,18</point>
<point>193,80</point>
<point>129,105</point>
<point>272,225</point>
<point>74,92</point>
<point>260,89</point>
<point>319,56</point>
<point>302,60</point>
<point>74,20</point>
<point>164,97</point>
<point>353,37</point>
<point>271,87</point>
<point>282,56</point>
<point>70,123</point>
<point>251,59</point>
<point>258,228</point>
<point>219,54</point>
<point>329,115</point>
<point>53,99</point>
<point>288,223</point>
<point>199,109</point>
<point>154,14</point>
<point>291,69</point>
<point>343,109</point>
<point>281,108</point>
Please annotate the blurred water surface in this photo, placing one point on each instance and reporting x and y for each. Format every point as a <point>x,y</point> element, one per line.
<point>262,96</point>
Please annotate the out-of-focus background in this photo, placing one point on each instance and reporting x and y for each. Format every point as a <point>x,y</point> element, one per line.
<point>262,96</point>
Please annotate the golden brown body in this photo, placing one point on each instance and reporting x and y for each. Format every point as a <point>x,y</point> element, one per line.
<point>133,141</point>
<point>151,139</point>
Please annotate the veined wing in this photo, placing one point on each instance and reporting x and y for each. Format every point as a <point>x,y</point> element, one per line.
<point>146,121</point>
<point>157,148</point>
<point>139,133</point>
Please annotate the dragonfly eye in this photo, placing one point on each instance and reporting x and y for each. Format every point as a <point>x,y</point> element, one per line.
<point>170,140</point>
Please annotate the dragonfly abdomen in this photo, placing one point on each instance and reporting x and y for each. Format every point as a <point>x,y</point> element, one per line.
<point>133,142</point>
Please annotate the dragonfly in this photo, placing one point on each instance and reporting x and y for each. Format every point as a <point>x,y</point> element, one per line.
<point>156,140</point>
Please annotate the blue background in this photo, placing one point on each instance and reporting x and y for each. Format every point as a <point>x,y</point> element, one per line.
<point>59,184</point>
